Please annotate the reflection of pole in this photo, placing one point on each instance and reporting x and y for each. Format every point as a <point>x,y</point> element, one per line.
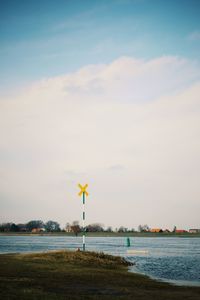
<point>83,221</point>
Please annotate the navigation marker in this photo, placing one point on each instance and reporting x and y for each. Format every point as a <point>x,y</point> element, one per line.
<point>84,193</point>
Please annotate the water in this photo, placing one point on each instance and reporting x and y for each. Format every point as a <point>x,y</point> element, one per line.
<point>175,260</point>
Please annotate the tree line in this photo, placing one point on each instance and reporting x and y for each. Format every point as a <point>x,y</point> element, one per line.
<point>49,226</point>
<point>53,226</point>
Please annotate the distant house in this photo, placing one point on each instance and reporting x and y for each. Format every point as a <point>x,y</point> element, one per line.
<point>181,231</point>
<point>156,230</point>
<point>37,230</point>
<point>194,230</point>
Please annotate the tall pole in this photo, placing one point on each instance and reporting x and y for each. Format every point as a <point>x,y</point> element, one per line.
<point>84,193</point>
<point>83,221</point>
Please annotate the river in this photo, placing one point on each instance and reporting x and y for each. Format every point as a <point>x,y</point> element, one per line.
<point>171,259</point>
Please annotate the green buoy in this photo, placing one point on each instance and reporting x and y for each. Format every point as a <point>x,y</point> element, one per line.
<point>128,243</point>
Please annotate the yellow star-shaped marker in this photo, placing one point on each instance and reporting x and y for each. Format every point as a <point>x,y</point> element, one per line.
<point>83,189</point>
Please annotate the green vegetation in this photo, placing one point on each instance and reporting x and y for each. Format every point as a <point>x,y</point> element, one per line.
<point>80,275</point>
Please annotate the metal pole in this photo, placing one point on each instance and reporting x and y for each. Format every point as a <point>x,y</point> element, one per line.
<point>85,193</point>
<point>83,221</point>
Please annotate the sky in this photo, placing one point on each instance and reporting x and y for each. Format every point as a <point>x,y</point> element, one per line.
<point>106,93</point>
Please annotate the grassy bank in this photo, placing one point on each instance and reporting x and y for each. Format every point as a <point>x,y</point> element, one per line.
<point>105,234</point>
<point>78,275</point>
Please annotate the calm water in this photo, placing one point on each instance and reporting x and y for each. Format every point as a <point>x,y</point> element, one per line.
<point>175,260</point>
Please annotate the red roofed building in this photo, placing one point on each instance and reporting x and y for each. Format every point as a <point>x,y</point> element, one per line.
<point>156,230</point>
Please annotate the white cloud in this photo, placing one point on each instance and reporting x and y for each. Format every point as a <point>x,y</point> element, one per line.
<point>125,79</point>
<point>138,118</point>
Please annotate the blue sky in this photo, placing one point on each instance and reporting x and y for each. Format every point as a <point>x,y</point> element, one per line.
<point>104,93</point>
<point>47,38</point>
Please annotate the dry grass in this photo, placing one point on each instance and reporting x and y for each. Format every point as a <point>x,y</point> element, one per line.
<point>80,275</point>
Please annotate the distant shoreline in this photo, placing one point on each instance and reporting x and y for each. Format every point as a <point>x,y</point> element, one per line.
<point>105,234</point>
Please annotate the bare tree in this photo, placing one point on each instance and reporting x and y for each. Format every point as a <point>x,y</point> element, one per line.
<point>95,227</point>
<point>109,229</point>
<point>34,224</point>
<point>122,229</point>
<point>68,227</point>
<point>75,227</point>
<point>52,226</point>
<point>143,228</point>
<point>6,227</point>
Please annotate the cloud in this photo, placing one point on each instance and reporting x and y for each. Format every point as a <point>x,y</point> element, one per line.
<point>127,80</point>
<point>139,117</point>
